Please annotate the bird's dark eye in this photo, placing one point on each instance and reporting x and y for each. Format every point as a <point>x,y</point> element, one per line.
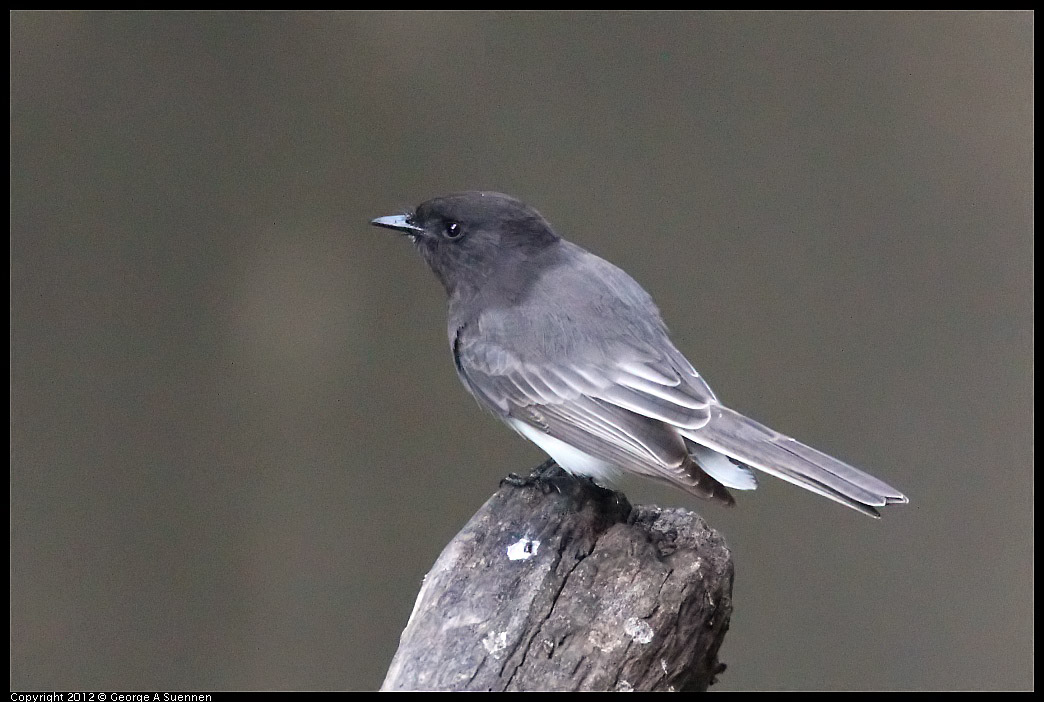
<point>453,230</point>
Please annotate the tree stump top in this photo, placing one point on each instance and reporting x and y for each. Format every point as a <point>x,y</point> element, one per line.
<point>557,584</point>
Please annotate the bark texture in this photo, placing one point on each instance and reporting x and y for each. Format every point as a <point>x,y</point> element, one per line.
<point>558,584</point>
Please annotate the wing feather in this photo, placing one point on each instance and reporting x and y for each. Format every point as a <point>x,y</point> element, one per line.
<point>628,414</point>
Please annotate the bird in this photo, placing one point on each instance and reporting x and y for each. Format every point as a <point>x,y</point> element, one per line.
<point>573,354</point>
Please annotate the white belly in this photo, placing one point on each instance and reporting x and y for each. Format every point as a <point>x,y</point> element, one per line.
<point>570,458</point>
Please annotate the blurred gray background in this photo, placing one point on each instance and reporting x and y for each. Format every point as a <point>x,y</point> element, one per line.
<point>237,439</point>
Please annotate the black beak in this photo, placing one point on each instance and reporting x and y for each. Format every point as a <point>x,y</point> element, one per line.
<point>399,223</point>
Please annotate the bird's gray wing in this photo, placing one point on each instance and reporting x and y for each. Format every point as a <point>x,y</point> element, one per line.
<point>626,413</point>
<point>633,413</point>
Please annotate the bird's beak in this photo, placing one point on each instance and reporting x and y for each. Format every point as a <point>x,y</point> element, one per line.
<point>398,222</point>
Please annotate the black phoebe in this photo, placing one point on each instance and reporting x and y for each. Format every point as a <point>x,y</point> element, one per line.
<point>572,353</point>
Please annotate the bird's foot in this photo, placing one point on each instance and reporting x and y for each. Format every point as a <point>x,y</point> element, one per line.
<point>547,476</point>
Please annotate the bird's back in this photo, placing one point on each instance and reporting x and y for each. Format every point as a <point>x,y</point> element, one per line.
<point>574,307</point>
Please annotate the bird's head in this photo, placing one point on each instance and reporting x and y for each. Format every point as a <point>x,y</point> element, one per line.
<point>468,237</point>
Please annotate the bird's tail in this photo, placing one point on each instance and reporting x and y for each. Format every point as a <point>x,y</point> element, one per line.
<point>756,445</point>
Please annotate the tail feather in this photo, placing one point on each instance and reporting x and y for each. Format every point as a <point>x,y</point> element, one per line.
<point>756,445</point>
<point>706,486</point>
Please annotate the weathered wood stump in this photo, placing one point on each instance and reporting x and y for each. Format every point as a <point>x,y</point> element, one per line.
<point>558,584</point>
